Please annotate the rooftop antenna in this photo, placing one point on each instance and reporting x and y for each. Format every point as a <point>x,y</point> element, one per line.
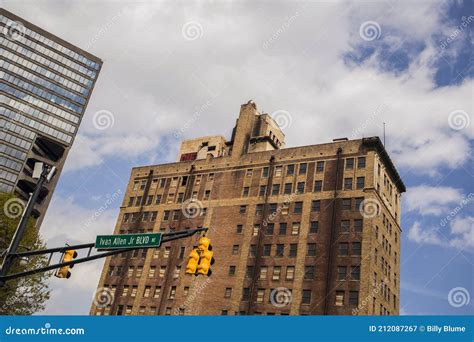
<point>384,134</point>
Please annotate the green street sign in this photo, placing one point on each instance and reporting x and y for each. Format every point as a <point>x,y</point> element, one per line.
<point>128,241</point>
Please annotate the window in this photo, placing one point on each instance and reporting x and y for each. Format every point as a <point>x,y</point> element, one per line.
<point>166,215</point>
<point>290,272</point>
<point>260,295</point>
<point>353,298</point>
<point>149,200</point>
<point>276,273</point>
<point>235,249</point>
<point>358,226</point>
<point>211,176</point>
<point>147,292</point>
<point>162,271</point>
<point>358,203</point>
<point>157,292</point>
<point>293,250</point>
<point>263,272</point>
<point>302,169</point>
<point>345,226</point>
<point>259,209</point>
<point>311,249</point>
<point>174,182</point>
<point>318,186</point>
<point>239,229</point>
<point>314,227</point>
<point>347,183</point>
<point>125,291</point>
<point>176,214</point>
<point>185,291</point>
<point>126,218</point>
<point>278,171</point>
<point>316,206</point>
<point>142,185</point>
<point>166,254</point>
<point>249,272</point>
<point>339,298</point>
<point>309,272</point>
<point>253,250</point>
<point>275,189</point>
<point>231,270</point>
<point>282,230</point>
<point>355,273</point>
<point>287,189</point>
<point>153,216</point>
<point>130,201</point>
<point>256,228</point>
<point>228,292</point>
<point>262,190</point>
<point>158,199</point>
<point>270,229</point>
<point>249,173</point>
<point>306,298</point>
<point>349,163</point>
<point>265,172</point>
<point>172,292</point>
<point>135,186</point>
<point>280,249</point>
<point>360,182</point>
<point>361,162</point>
<point>139,272</point>
<point>341,272</point>
<point>184,180</point>
<point>346,203</point>
<point>246,294</point>
<point>356,248</point>
<point>343,248</point>
<point>298,207</point>
<point>320,166</point>
<point>243,209</point>
<point>151,272</point>
<point>245,192</point>
<point>300,187</point>
<point>207,194</point>
<point>295,228</point>
<point>290,169</point>
<point>267,249</point>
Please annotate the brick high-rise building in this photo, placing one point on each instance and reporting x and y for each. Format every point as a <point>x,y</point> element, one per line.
<point>45,86</point>
<point>305,230</point>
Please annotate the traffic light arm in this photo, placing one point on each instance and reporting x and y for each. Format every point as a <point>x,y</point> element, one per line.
<point>166,237</point>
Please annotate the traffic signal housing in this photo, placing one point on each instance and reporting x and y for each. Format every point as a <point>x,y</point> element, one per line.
<point>193,262</point>
<point>63,272</point>
<point>207,258</point>
<point>201,258</point>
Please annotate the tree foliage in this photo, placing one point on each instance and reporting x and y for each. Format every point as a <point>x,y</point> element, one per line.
<point>26,295</point>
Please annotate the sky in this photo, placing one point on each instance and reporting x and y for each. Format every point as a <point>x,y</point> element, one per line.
<point>175,70</point>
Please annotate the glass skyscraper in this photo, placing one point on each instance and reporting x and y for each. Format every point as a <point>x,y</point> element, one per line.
<point>45,85</point>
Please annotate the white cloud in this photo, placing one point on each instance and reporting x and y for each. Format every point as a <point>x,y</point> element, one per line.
<point>431,200</point>
<point>463,228</point>
<point>421,235</point>
<point>154,79</point>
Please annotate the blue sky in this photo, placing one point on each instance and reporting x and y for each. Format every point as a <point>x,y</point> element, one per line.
<point>337,69</point>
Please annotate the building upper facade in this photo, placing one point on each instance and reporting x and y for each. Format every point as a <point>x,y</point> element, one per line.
<point>45,86</point>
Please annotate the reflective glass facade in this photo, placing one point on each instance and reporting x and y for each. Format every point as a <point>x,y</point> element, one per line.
<point>45,85</point>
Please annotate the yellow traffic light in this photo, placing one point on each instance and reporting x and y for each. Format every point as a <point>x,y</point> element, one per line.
<point>63,272</point>
<point>193,262</point>
<point>206,254</point>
